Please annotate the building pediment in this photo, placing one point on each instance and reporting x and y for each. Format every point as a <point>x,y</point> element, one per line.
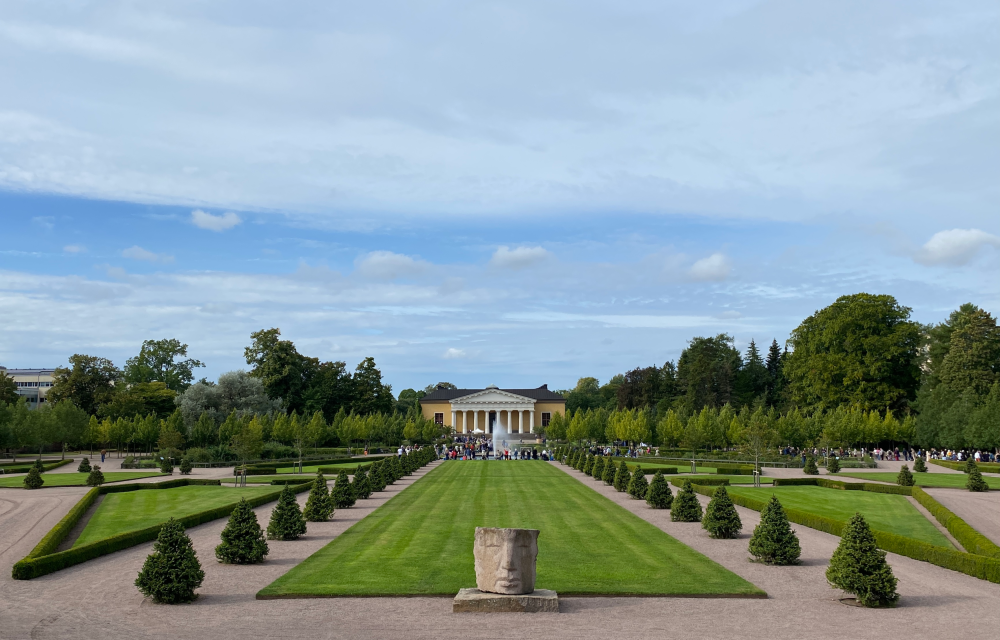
<point>492,397</point>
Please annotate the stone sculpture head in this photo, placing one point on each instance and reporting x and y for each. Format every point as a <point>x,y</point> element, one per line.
<point>505,560</point>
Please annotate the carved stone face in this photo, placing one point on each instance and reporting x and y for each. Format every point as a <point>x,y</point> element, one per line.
<point>505,560</point>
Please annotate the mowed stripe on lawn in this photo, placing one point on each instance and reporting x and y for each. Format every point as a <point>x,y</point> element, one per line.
<point>420,542</point>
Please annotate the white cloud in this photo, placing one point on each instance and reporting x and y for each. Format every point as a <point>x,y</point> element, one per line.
<point>955,247</point>
<point>204,220</point>
<point>454,354</point>
<point>386,265</point>
<point>74,248</point>
<point>714,268</point>
<point>518,258</point>
<point>138,253</point>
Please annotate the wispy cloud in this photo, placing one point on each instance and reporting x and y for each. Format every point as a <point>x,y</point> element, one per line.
<point>386,265</point>
<point>518,258</point>
<point>138,253</point>
<point>955,247</point>
<point>204,220</point>
<point>714,268</point>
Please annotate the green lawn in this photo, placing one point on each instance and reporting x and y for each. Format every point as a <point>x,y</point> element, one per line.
<point>305,477</point>
<point>76,479</point>
<point>883,511</point>
<point>314,468</point>
<point>122,512</point>
<point>420,542</point>
<point>946,480</point>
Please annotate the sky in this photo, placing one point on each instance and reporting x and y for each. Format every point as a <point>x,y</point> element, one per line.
<point>511,193</point>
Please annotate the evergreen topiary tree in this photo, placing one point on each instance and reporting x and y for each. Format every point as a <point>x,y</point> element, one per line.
<point>858,567</point>
<point>287,522</point>
<point>242,540</point>
<point>919,465</point>
<point>362,485</point>
<point>810,467</point>
<point>975,482</point>
<point>721,519</point>
<point>84,466</point>
<point>970,465</point>
<point>185,466</point>
<point>37,464</point>
<point>773,541</point>
<point>609,472</point>
<point>659,496</point>
<point>686,507</point>
<point>598,469</point>
<point>319,506</point>
<point>166,466</point>
<point>172,572</point>
<point>905,478</point>
<point>96,478</point>
<point>343,495</point>
<point>622,477</point>
<point>34,479</point>
<point>638,486</point>
<point>833,465</point>
<point>588,465</point>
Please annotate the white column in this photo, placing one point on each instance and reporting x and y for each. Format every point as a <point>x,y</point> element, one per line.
<point>475,418</point>
<point>506,427</point>
<point>531,414</point>
<point>454,421</point>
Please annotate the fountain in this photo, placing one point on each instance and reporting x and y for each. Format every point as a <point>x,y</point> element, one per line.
<point>499,437</point>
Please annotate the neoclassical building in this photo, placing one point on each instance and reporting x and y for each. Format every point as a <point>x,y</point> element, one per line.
<point>518,411</point>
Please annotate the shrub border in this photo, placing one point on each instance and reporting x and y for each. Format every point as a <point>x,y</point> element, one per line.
<point>988,467</point>
<point>45,467</point>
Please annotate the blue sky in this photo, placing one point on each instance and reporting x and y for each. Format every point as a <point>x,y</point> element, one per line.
<point>510,193</point>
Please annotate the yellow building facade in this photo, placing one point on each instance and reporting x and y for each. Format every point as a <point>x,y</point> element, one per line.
<point>514,411</point>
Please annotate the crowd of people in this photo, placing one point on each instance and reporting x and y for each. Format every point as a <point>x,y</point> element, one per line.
<point>473,448</point>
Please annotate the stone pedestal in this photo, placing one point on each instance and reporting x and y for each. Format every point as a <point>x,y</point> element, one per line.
<point>476,601</point>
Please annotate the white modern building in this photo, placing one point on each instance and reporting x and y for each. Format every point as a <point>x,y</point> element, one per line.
<point>32,384</point>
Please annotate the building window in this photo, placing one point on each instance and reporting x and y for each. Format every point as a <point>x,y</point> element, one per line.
<point>439,418</point>
<point>546,418</point>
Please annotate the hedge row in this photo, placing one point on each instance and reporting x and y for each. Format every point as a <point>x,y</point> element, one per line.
<point>283,482</point>
<point>336,470</point>
<point>742,470</point>
<point>256,471</point>
<point>970,564</point>
<point>705,481</point>
<point>40,564</point>
<point>843,486</point>
<point>45,467</point>
<point>988,467</point>
<point>972,540</point>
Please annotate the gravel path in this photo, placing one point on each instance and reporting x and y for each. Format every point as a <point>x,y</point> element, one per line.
<point>980,510</point>
<point>97,599</point>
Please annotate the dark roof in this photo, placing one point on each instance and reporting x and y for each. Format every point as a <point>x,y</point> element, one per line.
<point>541,393</point>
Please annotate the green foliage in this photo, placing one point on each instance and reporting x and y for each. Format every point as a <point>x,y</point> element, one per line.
<point>773,541</point>
<point>858,567</point>
<point>905,478</point>
<point>970,465</point>
<point>361,485</point>
<point>242,540</point>
<point>38,465</point>
<point>833,465</point>
<point>287,522</point>
<point>343,493</point>
<point>172,572</point>
<point>588,465</point>
<point>622,477</point>
<point>185,466</point>
<point>34,479</point>
<point>919,465</point>
<point>975,482</point>
<point>721,519</point>
<point>638,485</point>
<point>659,496</point>
<point>96,478</point>
<point>598,469</point>
<point>608,476</point>
<point>810,467</point>
<point>84,466</point>
<point>166,466</point>
<point>319,506</point>
<point>706,372</point>
<point>685,507</point>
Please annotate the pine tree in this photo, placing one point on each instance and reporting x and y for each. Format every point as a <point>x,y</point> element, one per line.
<point>37,464</point>
<point>598,469</point>
<point>185,466</point>
<point>905,478</point>
<point>342,495</point>
<point>362,485</point>
<point>84,466</point>
<point>166,466</point>
<point>686,507</point>
<point>919,465</point>
<point>609,472</point>
<point>721,519</point>
<point>588,465</point>
<point>287,522</point>
<point>970,465</point>
<point>638,486</point>
<point>319,506</point>
<point>34,479</point>
<point>858,567</point>
<point>810,467</point>
<point>833,465</point>
<point>242,540</point>
<point>96,478</point>
<point>659,496</point>
<point>773,541</point>
<point>622,477</point>
<point>975,482</point>
<point>172,572</point>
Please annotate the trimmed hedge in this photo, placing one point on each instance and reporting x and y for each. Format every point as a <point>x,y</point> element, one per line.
<point>741,470</point>
<point>969,538</point>
<point>45,467</point>
<point>283,482</point>
<point>988,467</point>
<point>257,471</point>
<point>843,486</point>
<point>43,560</point>
<point>336,470</point>
<point>705,481</point>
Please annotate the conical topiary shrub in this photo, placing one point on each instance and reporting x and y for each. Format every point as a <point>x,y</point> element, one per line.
<point>810,467</point>
<point>362,485</point>
<point>970,465</point>
<point>905,478</point>
<point>37,464</point>
<point>833,465</point>
<point>319,507</point>
<point>919,465</point>
<point>975,482</point>
<point>84,466</point>
<point>622,477</point>
<point>287,522</point>
<point>609,472</point>
<point>686,507</point>
<point>242,540</point>
<point>96,478</point>
<point>638,485</point>
<point>166,466</point>
<point>185,466</point>
<point>773,541</point>
<point>858,567</point>
<point>721,519</point>
<point>588,465</point>
<point>34,479</point>
<point>172,572</point>
<point>598,469</point>
<point>342,495</point>
<point>659,495</point>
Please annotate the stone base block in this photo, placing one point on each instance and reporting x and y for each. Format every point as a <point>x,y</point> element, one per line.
<point>476,601</point>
